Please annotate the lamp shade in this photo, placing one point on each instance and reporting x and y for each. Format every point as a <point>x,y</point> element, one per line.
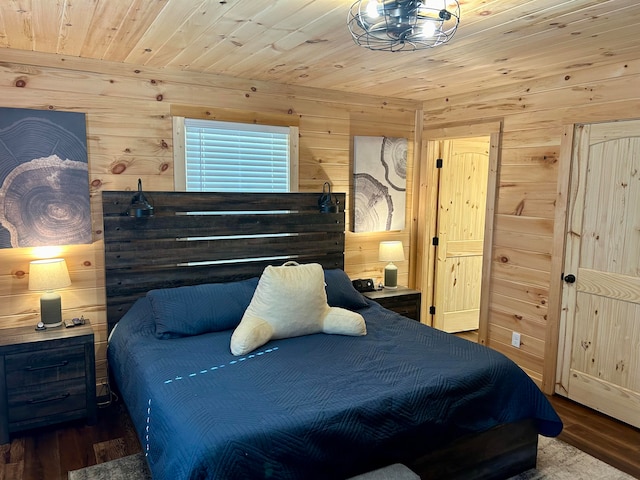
<point>391,251</point>
<point>49,275</point>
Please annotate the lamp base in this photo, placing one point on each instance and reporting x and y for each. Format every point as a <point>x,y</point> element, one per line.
<point>391,276</point>
<point>51,310</point>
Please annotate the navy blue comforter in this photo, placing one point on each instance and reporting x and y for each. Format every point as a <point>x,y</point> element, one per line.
<point>313,407</point>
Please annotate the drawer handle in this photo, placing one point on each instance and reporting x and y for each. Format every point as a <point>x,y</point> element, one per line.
<point>50,399</point>
<point>55,365</point>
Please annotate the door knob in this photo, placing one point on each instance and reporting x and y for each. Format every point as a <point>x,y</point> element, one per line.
<point>571,278</point>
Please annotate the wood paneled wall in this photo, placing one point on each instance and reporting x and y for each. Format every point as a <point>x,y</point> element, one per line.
<point>526,256</point>
<point>129,137</point>
<point>129,130</point>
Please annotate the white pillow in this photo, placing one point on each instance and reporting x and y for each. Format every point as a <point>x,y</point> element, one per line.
<point>291,301</point>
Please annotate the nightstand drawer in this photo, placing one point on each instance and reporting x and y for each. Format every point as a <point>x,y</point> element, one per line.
<point>402,300</point>
<point>44,366</point>
<point>406,308</point>
<point>38,401</point>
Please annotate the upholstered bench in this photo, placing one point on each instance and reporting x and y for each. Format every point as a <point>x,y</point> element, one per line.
<point>397,471</point>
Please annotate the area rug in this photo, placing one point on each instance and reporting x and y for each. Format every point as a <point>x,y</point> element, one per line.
<point>557,460</point>
<point>133,467</point>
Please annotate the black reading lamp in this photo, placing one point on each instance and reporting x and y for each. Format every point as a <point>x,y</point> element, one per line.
<point>327,203</point>
<point>140,206</point>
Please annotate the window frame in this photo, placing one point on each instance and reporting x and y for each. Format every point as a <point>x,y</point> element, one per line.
<point>179,150</point>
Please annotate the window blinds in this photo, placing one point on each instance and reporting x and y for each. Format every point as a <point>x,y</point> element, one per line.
<point>236,157</point>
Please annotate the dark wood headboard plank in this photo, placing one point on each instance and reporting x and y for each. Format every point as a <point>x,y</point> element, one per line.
<point>142,254</point>
<point>130,254</point>
<point>126,289</point>
<point>117,202</point>
<point>141,280</point>
<point>218,225</point>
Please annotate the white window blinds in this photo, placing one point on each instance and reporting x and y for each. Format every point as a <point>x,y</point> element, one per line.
<point>236,157</point>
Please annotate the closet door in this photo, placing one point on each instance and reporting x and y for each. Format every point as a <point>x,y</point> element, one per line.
<point>462,200</point>
<point>599,353</point>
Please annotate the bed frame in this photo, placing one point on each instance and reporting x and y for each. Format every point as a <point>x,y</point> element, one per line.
<point>198,238</point>
<point>195,238</point>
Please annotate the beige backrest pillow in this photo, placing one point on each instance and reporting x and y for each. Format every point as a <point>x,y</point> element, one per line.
<point>291,301</point>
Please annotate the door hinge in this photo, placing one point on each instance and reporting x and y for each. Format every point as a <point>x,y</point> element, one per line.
<point>435,241</point>
<point>432,310</point>
<point>439,163</point>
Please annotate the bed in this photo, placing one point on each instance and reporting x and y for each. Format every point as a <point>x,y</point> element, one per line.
<point>314,406</point>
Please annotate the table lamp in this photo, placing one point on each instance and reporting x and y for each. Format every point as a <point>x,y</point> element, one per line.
<point>49,275</point>
<point>391,251</point>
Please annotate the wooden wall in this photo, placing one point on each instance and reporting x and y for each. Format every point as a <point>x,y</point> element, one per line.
<point>129,133</point>
<point>129,137</point>
<point>526,256</point>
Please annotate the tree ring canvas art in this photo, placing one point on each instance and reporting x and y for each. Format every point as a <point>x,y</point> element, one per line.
<point>380,183</point>
<point>44,178</point>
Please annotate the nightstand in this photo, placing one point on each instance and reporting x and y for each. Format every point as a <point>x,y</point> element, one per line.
<point>402,300</point>
<point>46,377</point>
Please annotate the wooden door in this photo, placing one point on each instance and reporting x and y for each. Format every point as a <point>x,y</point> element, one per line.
<point>599,361</point>
<point>460,231</point>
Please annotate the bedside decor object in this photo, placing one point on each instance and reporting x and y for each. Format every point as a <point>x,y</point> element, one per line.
<point>403,25</point>
<point>49,275</point>
<point>391,251</point>
<point>140,206</point>
<point>364,285</point>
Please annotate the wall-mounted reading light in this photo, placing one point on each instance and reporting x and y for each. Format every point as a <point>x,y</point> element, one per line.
<point>140,206</point>
<point>327,203</point>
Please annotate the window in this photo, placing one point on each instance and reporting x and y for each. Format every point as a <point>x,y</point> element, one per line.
<point>214,156</point>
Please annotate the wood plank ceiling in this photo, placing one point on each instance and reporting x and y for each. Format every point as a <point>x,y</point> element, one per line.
<point>306,42</point>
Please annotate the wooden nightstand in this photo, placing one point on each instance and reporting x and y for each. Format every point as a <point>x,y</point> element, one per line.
<point>402,300</point>
<point>46,377</point>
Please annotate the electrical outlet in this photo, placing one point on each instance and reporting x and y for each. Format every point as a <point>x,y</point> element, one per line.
<point>515,339</point>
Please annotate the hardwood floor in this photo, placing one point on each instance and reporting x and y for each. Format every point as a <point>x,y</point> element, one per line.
<point>48,454</point>
<point>603,437</point>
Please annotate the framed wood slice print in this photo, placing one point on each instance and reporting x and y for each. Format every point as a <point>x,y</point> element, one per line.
<point>380,183</point>
<point>44,178</point>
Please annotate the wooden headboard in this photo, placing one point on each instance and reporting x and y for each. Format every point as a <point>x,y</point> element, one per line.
<point>198,238</point>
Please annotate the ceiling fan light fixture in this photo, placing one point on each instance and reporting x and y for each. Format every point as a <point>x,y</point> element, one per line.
<point>403,25</point>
